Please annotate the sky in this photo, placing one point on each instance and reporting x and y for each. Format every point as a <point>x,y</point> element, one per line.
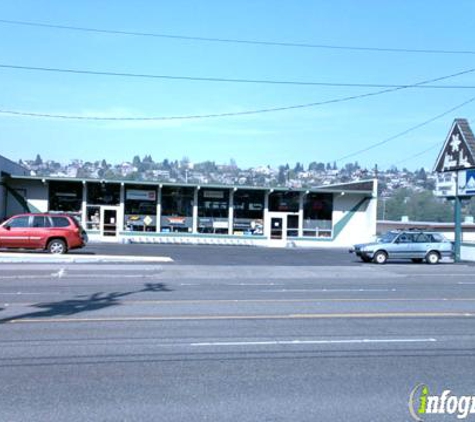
<point>323,133</point>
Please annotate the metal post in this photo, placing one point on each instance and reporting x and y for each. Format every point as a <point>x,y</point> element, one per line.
<point>458,227</point>
<point>458,220</point>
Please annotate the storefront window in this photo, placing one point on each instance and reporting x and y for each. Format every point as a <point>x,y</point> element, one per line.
<point>177,209</point>
<point>93,218</point>
<point>248,212</point>
<point>65,196</point>
<point>140,208</point>
<point>213,211</point>
<point>317,214</point>
<point>284,201</point>
<point>103,193</point>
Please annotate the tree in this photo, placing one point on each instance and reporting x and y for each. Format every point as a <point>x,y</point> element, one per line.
<point>298,168</point>
<point>282,175</point>
<point>418,206</point>
<point>136,161</point>
<point>38,161</point>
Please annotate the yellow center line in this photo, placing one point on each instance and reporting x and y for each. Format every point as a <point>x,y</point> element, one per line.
<point>249,317</point>
<point>238,301</point>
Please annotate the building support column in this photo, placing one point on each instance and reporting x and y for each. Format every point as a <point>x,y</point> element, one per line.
<point>158,218</point>
<point>265,224</point>
<point>84,205</point>
<point>121,213</point>
<point>301,214</point>
<point>231,212</point>
<point>195,210</point>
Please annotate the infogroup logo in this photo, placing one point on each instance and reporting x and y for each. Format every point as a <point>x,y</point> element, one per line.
<point>422,403</point>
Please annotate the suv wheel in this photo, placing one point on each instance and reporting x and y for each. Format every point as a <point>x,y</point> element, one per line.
<point>432,258</point>
<point>380,257</point>
<point>57,246</point>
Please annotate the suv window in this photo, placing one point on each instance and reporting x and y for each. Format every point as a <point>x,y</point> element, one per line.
<point>41,221</point>
<point>19,222</point>
<point>60,222</point>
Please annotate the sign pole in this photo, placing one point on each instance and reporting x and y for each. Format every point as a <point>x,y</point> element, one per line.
<point>458,228</point>
<point>457,220</point>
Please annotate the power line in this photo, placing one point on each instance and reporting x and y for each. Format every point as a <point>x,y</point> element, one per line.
<point>405,132</point>
<point>216,79</point>
<point>233,40</point>
<point>232,114</point>
<point>425,151</point>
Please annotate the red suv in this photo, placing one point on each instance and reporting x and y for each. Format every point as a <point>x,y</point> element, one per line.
<point>56,233</point>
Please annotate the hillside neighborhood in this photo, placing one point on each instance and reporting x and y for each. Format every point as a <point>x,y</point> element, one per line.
<point>184,171</point>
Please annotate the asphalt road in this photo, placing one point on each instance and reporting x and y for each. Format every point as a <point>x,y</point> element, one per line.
<point>228,255</point>
<point>234,342</point>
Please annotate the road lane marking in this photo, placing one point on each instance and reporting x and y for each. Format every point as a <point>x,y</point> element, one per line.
<point>328,290</point>
<point>306,342</point>
<point>245,317</point>
<point>238,301</point>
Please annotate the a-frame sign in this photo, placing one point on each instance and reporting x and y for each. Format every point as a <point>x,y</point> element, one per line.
<point>458,156</point>
<point>458,152</point>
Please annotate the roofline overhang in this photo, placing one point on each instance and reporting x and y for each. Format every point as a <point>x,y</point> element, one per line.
<point>338,187</point>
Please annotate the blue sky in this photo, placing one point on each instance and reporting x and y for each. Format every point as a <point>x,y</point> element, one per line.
<point>324,133</point>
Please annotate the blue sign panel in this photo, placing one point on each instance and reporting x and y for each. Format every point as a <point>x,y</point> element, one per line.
<point>470,182</point>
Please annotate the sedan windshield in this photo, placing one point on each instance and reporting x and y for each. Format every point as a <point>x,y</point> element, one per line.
<point>388,237</point>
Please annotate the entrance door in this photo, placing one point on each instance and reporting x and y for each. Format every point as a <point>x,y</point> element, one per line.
<point>109,222</point>
<point>277,229</point>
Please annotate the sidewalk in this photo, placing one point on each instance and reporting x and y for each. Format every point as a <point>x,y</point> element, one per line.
<point>41,257</point>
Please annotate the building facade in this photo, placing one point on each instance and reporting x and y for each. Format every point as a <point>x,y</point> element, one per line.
<point>126,211</point>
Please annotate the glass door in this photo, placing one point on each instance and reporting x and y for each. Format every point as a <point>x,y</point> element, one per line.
<point>276,229</point>
<point>108,222</point>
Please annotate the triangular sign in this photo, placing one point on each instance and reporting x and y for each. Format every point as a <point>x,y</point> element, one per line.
<point>458,152</point>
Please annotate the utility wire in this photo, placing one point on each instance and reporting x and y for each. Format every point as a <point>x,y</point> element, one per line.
<point>405,132</point>
<point>425,151</point>
<point>216,79</point>
<point>232,114</point>
<point>232,40</point>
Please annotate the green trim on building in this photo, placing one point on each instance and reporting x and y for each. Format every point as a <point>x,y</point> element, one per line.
<point>338,227</point>
<point>27,207</point>
<point>192,235</point>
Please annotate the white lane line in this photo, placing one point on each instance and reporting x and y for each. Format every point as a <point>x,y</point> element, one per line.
<point>328,290</point>
<point>28,293</point>
<point>466,282</point>
<point>303,342</point>
<point>232,284</point>
<point>76,276</point>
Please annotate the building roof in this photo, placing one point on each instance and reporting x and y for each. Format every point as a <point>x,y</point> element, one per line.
<point>363,186</point>
<point>8,167</point>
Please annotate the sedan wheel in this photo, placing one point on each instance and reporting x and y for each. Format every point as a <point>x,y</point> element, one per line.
<point>432,258</point>
<point>380,257</point>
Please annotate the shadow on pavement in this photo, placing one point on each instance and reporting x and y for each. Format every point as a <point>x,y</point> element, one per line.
<point>93,302</point>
